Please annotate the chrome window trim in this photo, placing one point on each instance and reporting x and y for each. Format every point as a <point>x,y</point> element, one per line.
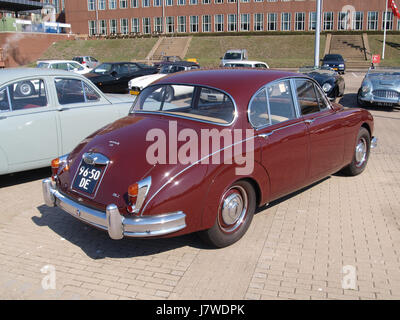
<point>9,98</point>
<point>294,99</point>
<point>236,114</point>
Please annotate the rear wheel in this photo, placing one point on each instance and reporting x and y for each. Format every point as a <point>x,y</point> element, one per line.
<point>361,153</point>
<point>235,213</point>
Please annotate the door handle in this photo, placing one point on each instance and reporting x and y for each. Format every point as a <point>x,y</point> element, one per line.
<point>309,121</point>
<point>264,135</point>
<point>63,109</point>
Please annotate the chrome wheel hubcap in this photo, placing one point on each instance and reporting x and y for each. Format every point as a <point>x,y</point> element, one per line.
<point>233,209</point>
<point>361,152</point>
<point>25,89</point>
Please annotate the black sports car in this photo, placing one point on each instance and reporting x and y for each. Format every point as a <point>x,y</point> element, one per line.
<point>330,81</point>
<point>114,76</point>
<point>334,61</point>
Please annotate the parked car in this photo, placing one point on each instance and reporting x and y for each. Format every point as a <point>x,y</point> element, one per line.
<point>63,65</point>
<point>234,55</point>
<point>166,60</point>
<point>246,64</point>
<point>114,76</point>
<point>88,61</point>
<point>272,134</point>
<point>334,61</point>
<point>138,84</point>
<point>330,81</point>
<point>44,113</point>
<point>381,86</point>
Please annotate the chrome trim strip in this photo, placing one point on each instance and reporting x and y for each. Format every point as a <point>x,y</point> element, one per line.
<point>112,221</point>
<point>144,187</point>
<point>95,158</point>
<point>374,142</point>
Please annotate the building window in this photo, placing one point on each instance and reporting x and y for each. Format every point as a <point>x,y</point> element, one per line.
<point>258,21</point>
<point>285,21</point>
<point>373,17</point>
<point>135,25</point>
<point>124,25</point>
<point>103,27</point>
<point>358,19</point>
<point>134,3</point>
<point>328,20</point>
<point>343,20</point>
<point>219,23</point>
<point>193,2</point>
<point>123,4</point>
<point>112,4</point>
<point>312,21</point>
<point>219,1</point>
<point>92,28</point>
<point>181,2</point>
<point>182,24</point>
<point>231,1</point>
<point>170,24</point>
<point>157,3</point>
<point>206,23</point>
<point>272,21</point>
<point>389,20</point>
<point>91,5</point>
<point>158,27</point>
<point>146,26</point>
<point>102,4</point>
<point>232,24</point>
<point>169,3</point>
<point>113,26</point>
<point>194,23</point>
<point>145,4</point>
<point>299,24</point>
<point>206,1</point>
<point>245,22</point>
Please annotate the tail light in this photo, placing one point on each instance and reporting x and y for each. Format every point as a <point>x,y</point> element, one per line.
<point>58,165</point>
<point>137,193</point>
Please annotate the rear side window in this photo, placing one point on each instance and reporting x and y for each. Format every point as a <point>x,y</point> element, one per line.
<point>4,102</point>
<point>74,91</point>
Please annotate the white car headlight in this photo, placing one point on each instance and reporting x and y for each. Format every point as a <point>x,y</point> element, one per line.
<point>341,65</point>
<point>327,87</point>
<point>365,87</point>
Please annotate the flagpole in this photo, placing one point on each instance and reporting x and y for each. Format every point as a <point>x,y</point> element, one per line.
<point>384,32</point>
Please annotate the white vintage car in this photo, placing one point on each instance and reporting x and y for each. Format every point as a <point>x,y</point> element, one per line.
<point>245,64</point>
<point>45,113</point>
<point>138,84</point>
<point>66,65</point>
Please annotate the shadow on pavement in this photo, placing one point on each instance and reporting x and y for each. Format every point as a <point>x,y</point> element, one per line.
<point>98,245</point>
<point>350,100</point>
<point>12,179</point>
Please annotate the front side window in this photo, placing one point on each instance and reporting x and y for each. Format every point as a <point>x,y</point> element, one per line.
<point>74,91</point>
<point>307,97</point>
<point>24,94</point>
<point>199,103</point>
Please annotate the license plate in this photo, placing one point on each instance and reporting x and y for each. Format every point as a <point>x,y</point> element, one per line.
<point>134,92</point>
<point>87,178</point>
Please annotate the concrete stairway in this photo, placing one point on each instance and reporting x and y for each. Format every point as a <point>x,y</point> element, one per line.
<point>353,48</point>
<point>170,46</point>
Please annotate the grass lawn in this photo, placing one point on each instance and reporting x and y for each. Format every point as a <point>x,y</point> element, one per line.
<point>291,51</point>
<point>392,50</point>
<point>103,50</point>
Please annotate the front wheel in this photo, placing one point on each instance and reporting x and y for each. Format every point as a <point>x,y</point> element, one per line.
<point>235,213</point>
<point>361,153</point>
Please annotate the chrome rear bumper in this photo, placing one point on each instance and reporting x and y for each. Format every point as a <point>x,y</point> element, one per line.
<point>116,224</point>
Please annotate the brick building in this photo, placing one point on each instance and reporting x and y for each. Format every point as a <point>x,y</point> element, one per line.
<point>206,16</point>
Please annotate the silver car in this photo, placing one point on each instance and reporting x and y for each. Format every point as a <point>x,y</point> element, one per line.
<point>381,86</point>
<point>45,113</point>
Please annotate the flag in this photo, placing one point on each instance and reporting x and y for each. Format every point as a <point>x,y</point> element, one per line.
<point>394,8</point>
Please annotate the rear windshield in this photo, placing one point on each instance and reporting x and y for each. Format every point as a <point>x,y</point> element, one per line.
<point>43,65</point>
<point>199,103</point>
<point>333,57</point>
<point>78,59</point>
<point>233,56</point>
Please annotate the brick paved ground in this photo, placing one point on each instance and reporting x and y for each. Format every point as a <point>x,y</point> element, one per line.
<point>294,249</point>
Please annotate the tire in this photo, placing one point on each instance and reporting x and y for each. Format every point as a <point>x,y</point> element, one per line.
<point>25,89</point>
<point>169,94</point>
<point>361,153</point>
<point>231,225</point>
<point>359,101</point>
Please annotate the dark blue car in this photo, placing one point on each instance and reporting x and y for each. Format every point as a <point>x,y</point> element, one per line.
<point>334,61</point>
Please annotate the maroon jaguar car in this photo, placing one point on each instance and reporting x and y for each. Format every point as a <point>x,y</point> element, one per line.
<point>201,150</point>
